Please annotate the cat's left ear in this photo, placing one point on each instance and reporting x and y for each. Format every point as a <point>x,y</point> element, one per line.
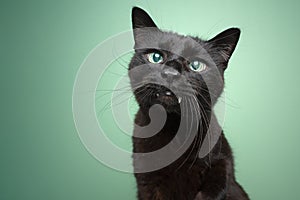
<point>225,43</point>
<point>142,26</point>
<point>141,19</point>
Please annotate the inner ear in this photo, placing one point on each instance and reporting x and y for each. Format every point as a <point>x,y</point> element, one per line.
<point>225,43</point>
<point>141,19</point>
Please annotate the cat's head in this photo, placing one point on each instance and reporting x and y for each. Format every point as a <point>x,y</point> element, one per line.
<point>168,67</point>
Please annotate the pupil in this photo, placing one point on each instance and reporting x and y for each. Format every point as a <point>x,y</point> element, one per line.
<point>195,65</point>
<point>156,57</point>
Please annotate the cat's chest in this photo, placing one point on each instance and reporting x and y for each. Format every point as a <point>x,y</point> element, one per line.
<point>182,184</point>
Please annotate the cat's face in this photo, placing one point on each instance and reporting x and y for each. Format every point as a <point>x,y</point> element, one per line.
<point>167,68</point>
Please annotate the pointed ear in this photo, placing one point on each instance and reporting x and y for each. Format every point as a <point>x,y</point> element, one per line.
<point>140,19</point>
<point>225,43</point>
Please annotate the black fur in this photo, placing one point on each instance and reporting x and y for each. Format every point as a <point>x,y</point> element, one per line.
<point>189,177</point>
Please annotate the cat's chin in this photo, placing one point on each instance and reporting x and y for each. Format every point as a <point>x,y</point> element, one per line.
<point>170,104</point>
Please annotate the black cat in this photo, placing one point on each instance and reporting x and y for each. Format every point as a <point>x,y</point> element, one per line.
<point>181,73</point>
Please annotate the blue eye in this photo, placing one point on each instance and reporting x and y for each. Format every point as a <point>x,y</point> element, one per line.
<point>155,57</point>
<point>197,66</point>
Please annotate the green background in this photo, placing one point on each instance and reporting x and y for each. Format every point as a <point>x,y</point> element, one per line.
<point>43,44</point>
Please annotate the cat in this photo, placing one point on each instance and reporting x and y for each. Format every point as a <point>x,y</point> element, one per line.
<point>164,61</point>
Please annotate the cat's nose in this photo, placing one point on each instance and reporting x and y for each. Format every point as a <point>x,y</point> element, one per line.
<point>170,73</point>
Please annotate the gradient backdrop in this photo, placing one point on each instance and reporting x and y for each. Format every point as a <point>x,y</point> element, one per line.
<point>43,44</point>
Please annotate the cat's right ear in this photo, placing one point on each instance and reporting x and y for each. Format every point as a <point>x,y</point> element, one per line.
<point>140,19</point>
<point>224,44</point>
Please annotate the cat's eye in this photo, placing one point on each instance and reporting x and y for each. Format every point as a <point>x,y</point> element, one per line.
<point>155,57</point>
<point>197,66</point>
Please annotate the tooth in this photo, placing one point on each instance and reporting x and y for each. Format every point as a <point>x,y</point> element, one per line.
<point>168,93</point>
<point>179,99</point>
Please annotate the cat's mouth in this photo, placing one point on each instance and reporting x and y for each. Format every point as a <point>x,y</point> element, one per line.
<point>151,94</point>
<point>168,97</point>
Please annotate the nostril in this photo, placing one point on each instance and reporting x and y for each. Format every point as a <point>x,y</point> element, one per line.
<point>170,72</point>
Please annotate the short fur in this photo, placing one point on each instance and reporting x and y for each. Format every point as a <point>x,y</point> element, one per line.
<point>189,177</point>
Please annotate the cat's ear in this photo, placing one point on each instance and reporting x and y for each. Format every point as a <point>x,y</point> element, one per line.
<point>225,42</point>
<point>140,19</point>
